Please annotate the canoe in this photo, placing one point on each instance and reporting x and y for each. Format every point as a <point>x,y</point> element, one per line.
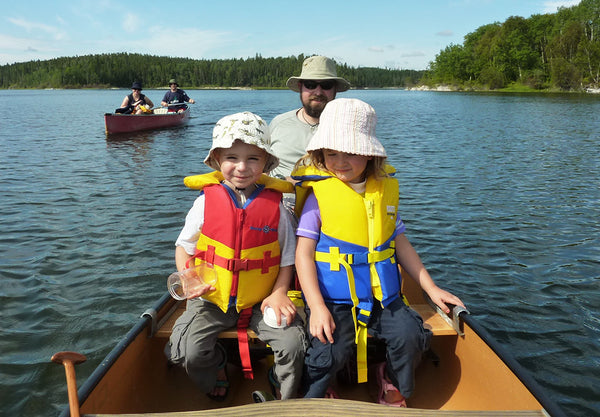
<point>466,373</point>
<point>125,123</point>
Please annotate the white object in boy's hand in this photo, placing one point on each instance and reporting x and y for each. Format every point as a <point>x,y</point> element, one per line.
<point>271,320</point>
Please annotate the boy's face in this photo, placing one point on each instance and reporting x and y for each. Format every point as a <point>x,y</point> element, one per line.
<point>242,164</point>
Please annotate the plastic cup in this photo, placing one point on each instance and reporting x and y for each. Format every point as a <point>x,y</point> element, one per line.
<point>271,319</point>
<point>182,284</point>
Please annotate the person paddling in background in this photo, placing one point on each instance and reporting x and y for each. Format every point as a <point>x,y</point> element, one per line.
<point>350,243</point>
<point>239,225</point>
<point>176,98</point>
<point>136,102</point>
<point>317,84</point>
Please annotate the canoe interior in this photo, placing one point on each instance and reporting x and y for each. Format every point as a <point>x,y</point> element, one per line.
<point>464,374</point>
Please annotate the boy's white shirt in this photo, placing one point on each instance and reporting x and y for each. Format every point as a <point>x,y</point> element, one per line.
<point>188,237</point>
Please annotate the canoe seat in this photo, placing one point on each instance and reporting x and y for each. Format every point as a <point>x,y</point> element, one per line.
<point>431,320</point>
<point>164,331</point>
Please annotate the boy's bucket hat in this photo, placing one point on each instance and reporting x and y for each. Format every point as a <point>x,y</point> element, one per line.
<point>246,127</point>
<point>173,81</point>
<point>347,125</point>
<point>318,68</point>
<point>136,85</point>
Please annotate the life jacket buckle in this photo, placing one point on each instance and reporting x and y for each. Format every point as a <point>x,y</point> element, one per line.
<point>237,264</point>
<point>359,258</point>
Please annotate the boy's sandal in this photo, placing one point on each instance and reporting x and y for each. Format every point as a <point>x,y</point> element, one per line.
<point>262,397</point>
<point>385,386</point>
<point>220,382</point>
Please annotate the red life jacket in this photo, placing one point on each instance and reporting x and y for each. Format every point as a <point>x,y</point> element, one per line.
<point>243,245</point>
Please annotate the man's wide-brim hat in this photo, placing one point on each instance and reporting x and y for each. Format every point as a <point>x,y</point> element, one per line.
<point>246,127</point>
<point>318,68</point>
<point>136,85</point>
<point>173,81</point>
<point>347,125</point>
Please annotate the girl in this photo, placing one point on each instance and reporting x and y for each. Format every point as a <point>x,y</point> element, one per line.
<point>350,241</point>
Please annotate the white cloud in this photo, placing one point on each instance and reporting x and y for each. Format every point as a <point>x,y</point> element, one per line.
<point>34,27</point>
<point>413,54</point>
<point>188,43</point>
<point>375,49</point>
<point>552,6</point>
<point>131,23</point>
<point>445,33</point>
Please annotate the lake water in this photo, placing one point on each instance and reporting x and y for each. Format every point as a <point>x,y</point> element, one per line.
<point>500,194</point>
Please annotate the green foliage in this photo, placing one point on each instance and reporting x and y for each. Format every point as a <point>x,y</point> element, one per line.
<point>121,69</point>
<point>560,50</point>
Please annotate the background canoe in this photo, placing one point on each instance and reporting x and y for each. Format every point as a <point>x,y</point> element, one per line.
<point>125,123</point>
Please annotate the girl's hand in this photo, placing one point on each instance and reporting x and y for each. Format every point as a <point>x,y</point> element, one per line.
<point>441,297</point>
<point>282,305</point>
<point>322,325</point>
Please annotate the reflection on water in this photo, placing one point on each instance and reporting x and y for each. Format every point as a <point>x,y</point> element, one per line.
<point>499,193</point>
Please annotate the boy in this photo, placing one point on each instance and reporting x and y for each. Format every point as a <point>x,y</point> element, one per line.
<point>239,225</point>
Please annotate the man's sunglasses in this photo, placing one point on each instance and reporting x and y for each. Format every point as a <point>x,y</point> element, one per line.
<point>311,85</point>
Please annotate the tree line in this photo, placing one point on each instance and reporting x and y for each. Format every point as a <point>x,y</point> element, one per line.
<point>121,69</point>
<point>545,51</point>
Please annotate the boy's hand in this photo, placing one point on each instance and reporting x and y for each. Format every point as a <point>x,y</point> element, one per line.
<point>200,290</point>
<point>282,305</point>
<point>322,324</point>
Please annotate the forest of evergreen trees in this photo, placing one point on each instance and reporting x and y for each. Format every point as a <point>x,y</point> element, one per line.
<point>121,69</point>
<point>559,51</point>
<point>550,51</point>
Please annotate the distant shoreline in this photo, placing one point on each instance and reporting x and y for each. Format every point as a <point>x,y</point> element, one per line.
<point>438,88</point>
<point>512,89</point>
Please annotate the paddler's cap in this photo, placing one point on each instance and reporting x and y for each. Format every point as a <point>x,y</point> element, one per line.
<point>318,68</point>
<point>173,81</point>
<point>136,85</point>
<point>347,125</point>
<point>246,127</point>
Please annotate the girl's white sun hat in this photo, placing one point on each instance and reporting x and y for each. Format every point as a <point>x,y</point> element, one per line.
<point>246,127</point>
<point>347,125</point>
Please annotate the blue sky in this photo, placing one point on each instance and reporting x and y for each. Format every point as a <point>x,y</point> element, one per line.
<point>387,33</point>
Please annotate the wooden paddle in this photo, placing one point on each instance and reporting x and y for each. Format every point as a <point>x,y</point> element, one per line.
<point>68,359</point>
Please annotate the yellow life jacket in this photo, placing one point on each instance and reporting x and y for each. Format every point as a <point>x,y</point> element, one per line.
<point>355,252</point>
<point>241,242</point>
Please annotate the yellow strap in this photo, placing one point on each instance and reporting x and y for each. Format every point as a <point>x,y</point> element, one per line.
<point>359,329</point>
<point>382,255</point>
<point>361,354</point>
<point>335,258</point>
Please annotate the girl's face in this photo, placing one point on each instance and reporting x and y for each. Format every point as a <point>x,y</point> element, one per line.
<point>347,167</point>
<point>242,164</point>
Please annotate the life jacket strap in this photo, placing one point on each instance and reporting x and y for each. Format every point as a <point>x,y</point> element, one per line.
<point>238,264</point>
<point>360,326</point>
<point>334,257</point>
<point>242,326</point>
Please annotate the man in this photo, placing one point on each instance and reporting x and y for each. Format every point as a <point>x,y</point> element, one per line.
<point>317,84</point>
<point>175,97</point>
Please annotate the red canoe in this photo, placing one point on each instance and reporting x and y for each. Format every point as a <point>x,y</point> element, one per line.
<point>124,123</point>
